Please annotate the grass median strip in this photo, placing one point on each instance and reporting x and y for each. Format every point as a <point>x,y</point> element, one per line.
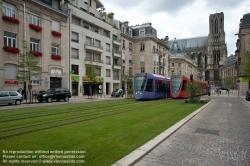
<point>106,130</point>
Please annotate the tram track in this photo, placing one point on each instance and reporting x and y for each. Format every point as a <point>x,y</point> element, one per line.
<point>20,130</point>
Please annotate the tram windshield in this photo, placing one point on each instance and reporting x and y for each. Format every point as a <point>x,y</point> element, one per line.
<point>139,83</point>
<point>176,82</point>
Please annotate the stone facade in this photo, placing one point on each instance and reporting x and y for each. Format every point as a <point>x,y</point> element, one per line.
<point>142,51</point>
<point>54,72</point>
<point>228,71</point>
<point>242,45</point>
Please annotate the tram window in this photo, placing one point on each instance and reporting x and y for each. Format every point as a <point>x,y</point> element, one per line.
<point>184,85</point>
<point>150,85</point>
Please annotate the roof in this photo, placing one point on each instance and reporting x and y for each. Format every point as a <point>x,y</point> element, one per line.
<point>230,60</point>
<point>191,42</point>
<point>246,19</point>
<point>98,4</point>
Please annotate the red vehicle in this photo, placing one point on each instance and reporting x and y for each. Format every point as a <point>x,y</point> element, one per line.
<point>178,84</point>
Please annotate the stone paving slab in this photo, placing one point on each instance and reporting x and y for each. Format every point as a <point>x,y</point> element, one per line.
<point>187,147</point>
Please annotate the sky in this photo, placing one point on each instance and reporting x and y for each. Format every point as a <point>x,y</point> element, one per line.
<point>181,19</point>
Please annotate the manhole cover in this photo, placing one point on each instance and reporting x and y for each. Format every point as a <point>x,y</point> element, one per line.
<point>207,131</point>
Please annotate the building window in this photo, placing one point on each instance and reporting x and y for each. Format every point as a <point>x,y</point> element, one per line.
<point>76,21</point>
<point>97,43</point>
<point>98,71</point>
<point>106,33</point>
<point>142,33</point>
<point>115,75</point>
<point>10,39</point>
<point>130,71</point>
<point>154,70</point>
<point>75,69</point>
<point>55,26</point>
<point>88,40</point>
<point>123,44</point>
<point>74,53</point>
<point>34,45</point>
<point>172,72</point>
<point>115,62</point>
<point>34,19</point>
<point>55,49</point>
<point>74,37</point>
<point>85,25</point>
<point>142,47</point>
<point>94,28</point>
<point>9,10</point>
<point>88,56</point>
<point>172,64</point>
<point>97,58</point>
<point>107,60</point>
<point>10,71</point>
<point>35,79</point>
<point>107,72</point>
<point>130,46</point>
<point>107,47</point>
<point>130,60</point>
<point>142,70</point>
<point>179,64</point>
<point>114,37</point>
<point>123,69</point>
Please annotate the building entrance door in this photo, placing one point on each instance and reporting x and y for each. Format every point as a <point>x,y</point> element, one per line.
<point>55,82</point>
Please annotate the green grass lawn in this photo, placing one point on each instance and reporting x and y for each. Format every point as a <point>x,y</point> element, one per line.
<point>106,130</point>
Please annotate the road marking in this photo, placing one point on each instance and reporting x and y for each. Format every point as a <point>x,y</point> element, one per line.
<point>228,104</point>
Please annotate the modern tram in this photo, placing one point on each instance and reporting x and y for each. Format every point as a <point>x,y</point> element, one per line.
<point>149,86</point>
<point>178,84</point>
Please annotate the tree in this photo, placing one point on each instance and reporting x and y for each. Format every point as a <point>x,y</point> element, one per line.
<point>228,84</point>
<point>194,91</point>
<point>128,81</point>
<point>27,68</point>
<point>246,65</point>
<point>90,73</point>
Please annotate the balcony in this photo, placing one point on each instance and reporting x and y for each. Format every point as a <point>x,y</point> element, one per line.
<point>116,42</point>
<point>93,47</point>
<point>117,54</point>
<point>95,62</point>
<point>117,66</point>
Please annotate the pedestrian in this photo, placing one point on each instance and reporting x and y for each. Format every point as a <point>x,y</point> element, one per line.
<point>21,91</point>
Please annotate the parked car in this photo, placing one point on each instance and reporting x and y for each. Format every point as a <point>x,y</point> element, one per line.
<point>117,93</point>
<point>248,95</point>
<point>54,94</point>
<point>10,97</point>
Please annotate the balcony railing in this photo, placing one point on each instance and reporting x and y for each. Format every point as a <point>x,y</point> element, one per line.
<point>116,78</point>
<point>93,44</point>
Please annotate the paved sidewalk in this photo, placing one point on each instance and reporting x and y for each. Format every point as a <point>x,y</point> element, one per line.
<point>218,135</point>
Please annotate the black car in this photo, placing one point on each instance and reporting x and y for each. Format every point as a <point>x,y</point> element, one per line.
<point>54,94</point>
<point>248,95</point>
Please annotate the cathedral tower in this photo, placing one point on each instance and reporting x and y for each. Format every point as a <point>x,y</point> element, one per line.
<point>217,49</point>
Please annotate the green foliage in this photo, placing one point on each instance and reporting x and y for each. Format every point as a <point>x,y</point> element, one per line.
<point>114,26</point>
<point>28,66</point>
<point>110,15</point>
<point>128,80</point>
<point>194,91</point>
<point>246,65</point>
<point>90,73</point>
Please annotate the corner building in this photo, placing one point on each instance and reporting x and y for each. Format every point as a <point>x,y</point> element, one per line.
<point>142,51</point>
<point>43,25</point>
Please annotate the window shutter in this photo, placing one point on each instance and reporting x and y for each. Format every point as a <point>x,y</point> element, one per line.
<point>55,26</point>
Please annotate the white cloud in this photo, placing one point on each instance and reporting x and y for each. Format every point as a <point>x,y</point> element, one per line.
<point>181,18</point>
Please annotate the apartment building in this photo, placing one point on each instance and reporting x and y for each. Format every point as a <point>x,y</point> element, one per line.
<point>243,45</point>
<point>94,39</point>
<point>142,51</point>
<point>182,63</point>
<point>43,24</point>
<point>228,71</point>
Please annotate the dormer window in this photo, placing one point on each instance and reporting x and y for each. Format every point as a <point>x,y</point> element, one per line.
<point>142,33</point>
